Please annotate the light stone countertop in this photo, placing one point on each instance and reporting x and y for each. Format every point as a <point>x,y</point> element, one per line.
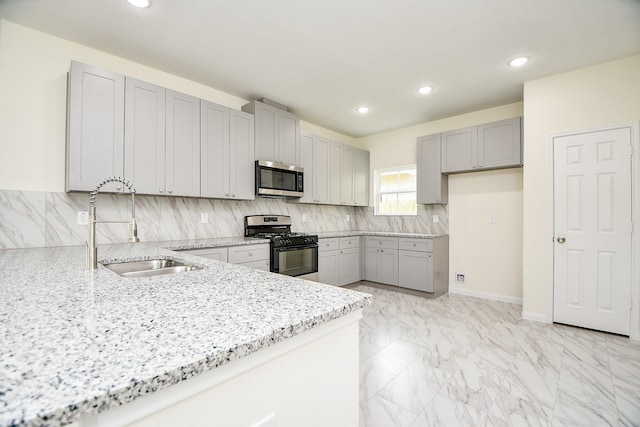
<point>332,234</point>
<point>75,343</point>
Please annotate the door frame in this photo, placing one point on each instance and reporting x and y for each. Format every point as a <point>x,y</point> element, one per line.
<point>634,327</point>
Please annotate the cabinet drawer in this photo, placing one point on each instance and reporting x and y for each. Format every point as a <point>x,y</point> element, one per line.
<point>381,242</point>
<point>420,245</point>
<point>248,253</point>
<point>328,244</point>
<point>219,254</point>
<point>349,242</point>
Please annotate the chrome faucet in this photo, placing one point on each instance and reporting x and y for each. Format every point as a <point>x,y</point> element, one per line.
<point>92,250</point>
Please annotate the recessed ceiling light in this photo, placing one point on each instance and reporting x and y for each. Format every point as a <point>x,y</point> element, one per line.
<point>363,110</point>
<point>519,61</point>
<point>139,3</point>
<point>423,90</point>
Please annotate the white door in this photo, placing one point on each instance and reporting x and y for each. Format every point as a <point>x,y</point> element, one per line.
<point>592,224</point>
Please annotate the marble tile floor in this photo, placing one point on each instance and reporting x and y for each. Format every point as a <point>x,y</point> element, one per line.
<point>464,361</point>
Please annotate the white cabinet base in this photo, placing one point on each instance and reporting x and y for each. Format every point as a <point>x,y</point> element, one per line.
<point>310,379</point>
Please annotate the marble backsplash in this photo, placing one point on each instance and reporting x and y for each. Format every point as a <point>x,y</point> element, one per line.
<point>37,219</point>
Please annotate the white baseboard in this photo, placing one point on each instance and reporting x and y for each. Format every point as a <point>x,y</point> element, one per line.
<point>485,295</point>
<point>535,317</point>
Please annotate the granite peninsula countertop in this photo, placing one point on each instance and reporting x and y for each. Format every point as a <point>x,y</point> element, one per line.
<point>75,343</point>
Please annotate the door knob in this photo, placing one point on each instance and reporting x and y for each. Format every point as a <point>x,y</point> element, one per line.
<point>561,240</point>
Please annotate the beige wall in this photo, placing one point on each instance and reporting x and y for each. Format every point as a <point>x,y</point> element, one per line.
<point>33,85</point>
<point>597,96</point>
<point>477,249</point>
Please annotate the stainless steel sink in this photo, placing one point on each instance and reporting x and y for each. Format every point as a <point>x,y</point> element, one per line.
<point>151,267</point>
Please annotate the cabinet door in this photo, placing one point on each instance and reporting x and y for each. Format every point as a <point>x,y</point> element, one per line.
<point>95,137</point>
<point>144,136</point>
<point>499,144</point>
<point>371,264</point>
<point>415,270</point>
<point>349,266</point>
<point>306,162</point>
<point>328,267</point>
<point>388,266</point>
<point>241,156</point>
<point>321,170</point>
<point>432,185</point>
<point>361,178</point>
<point>336,172</point>
<point>346,183</point>
<point>214,146</point>
<point>266,119</point>
<point>289,138</point>
<point>459,150</point>
<point>182,165</point>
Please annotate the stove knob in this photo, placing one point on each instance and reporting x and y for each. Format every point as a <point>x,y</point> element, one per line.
<point>288,241</point>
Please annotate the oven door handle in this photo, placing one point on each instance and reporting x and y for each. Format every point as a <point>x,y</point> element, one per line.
<point>294,248</point>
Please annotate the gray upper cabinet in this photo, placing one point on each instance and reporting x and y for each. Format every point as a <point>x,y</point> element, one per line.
<point>241,160</point>
<point>214,150</point>
<point>361,178</point>
<point>487,146</point>
<point>162,140</point>
<point>314,158</point>
<point>460,150</point>
<point>347,169</point>
<point>277,133</point>
<point>432,184</point>
<point>182,163</point>
<point>144,130</point>
<point>500,144</point>
<point>95,128</point>
<point>227,151</point>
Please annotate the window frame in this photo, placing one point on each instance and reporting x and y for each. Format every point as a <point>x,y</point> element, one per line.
<point>377,193</point>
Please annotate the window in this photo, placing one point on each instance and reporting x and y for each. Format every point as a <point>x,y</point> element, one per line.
<point>395,191</point>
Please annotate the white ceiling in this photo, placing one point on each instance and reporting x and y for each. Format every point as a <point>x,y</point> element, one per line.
<point>324,58</point>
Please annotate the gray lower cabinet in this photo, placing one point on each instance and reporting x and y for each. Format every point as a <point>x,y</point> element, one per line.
<point>218,254</point>
<point>253,256</point>
<point>277,133</point>
<point>95,128</point>
<point>381,260</point>
<point>227,153</point>
<point>432,184</point>
<point>314,158</point>
<point>339,260</point>
<point>162,140</point>
<point>488,146</point>
<point>424,264</point>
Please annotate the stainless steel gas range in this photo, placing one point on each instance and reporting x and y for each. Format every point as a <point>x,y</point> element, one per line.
<point>293,254</point>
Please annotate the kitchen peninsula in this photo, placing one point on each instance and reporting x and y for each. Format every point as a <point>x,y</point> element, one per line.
<point>238,346</point>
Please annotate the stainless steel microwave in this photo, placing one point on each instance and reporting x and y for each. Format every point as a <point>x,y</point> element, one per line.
<point>275,179</point>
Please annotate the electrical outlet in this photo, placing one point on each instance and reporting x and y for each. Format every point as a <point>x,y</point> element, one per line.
<point>459,278</point>
<point>304,217</point>
<point>435,218</point>
<point>348,218</point>
<point>83,218</point>
<point>492,219</point>
<point>204,217</point>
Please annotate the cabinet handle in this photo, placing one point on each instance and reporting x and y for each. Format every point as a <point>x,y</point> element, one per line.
<point>169,191</point>
<point>250,253</point>
<point>161,190</point>
<point>414,245</point>
<point>118,187</point>
<point>226,195</point>
<point>381,250</point>
<point>474,166</point>
<point>480,165</point>
<point>233,195</point>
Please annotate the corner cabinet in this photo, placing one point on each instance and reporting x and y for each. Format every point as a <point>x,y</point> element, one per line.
<point>423,264</point>
<point>339,260</point>
<point>488,146</point>
<point>432,184</point>
<point>95,128</point>
<point>277,133</point>
<point>227,153</point>
<point>361,178</point>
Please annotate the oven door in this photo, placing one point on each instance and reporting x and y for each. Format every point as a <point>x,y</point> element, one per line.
<point>295,260</point>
